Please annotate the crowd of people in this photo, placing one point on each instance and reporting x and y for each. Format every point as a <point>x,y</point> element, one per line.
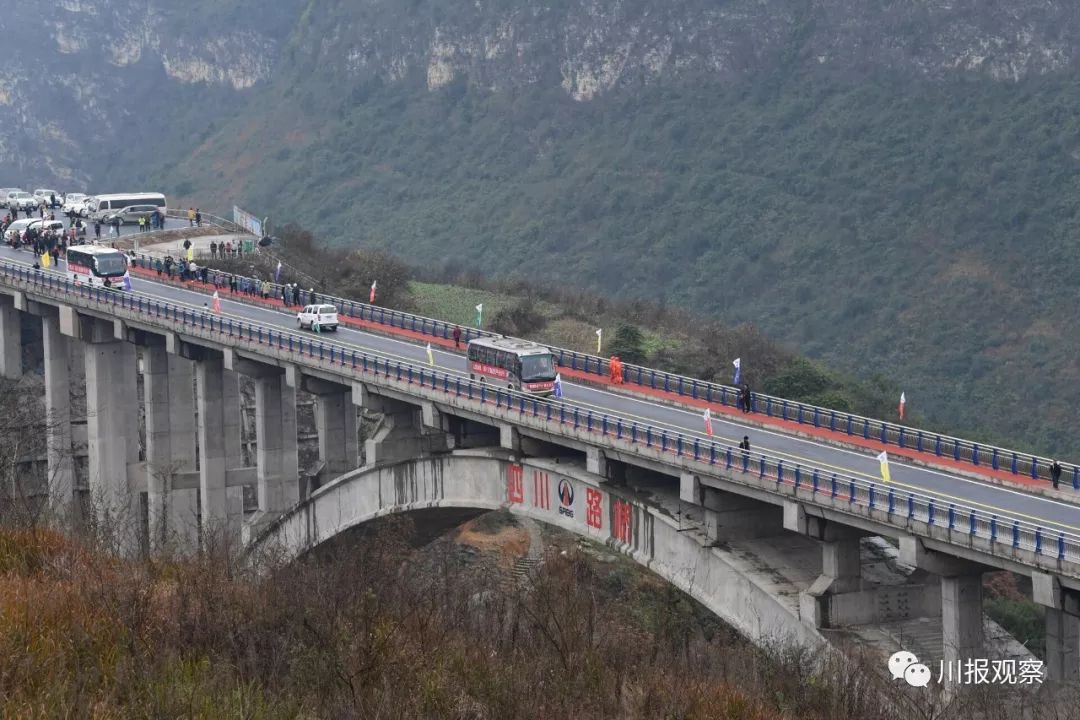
<point>42,237</point>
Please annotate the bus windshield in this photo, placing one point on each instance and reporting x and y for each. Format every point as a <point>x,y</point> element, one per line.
<point>537,367</point>
<point>110,265</point>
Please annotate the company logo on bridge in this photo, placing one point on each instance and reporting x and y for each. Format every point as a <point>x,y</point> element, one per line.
<point>566,498</point>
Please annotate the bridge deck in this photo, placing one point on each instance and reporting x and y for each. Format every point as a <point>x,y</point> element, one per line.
<point>1017,502</point>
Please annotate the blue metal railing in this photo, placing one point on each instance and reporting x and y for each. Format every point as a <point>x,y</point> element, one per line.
<point>845,493</point>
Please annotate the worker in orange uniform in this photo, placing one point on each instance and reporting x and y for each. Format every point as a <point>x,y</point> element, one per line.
<point>615,365</point>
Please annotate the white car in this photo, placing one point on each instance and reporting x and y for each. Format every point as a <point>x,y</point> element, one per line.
<point>325,316</point>
<point>42,225</point>
<point>4,192</point>
<point>45,196</point>
<point>22,200</point>
<point>74,204</point>
<point>15,229</point>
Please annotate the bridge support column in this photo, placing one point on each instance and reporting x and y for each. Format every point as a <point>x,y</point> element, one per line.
<point>961,597</point>
<point>234,448</point>
<point>169,407</point>
<point>210,403</point>
<point>401,434</point>
<point>962,616</point>
<point>1062,646</point>
<point>335,422</point>
<point>61,468</point>
<point>10,339</point>
<point>113,439</point>
<point>509,438</point>
<point>726,516</point>
<point>275,436</point>
<point>1062,627</point>
<point>841,564</point>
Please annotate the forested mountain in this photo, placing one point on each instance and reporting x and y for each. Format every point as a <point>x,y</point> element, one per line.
<point>889,186</point>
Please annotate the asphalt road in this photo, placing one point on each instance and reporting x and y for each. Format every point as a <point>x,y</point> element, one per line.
<point>1006,502</point>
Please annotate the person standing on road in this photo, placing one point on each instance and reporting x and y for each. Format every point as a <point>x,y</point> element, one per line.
<point>198,217</point>
<point>213,250</point>
<point>744,398</point>
<point>1055,474</point>
<point>457,337</point>
<point>191,216</point>
<point>295,294</point>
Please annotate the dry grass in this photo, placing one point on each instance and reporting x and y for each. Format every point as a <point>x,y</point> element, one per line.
<point>376,631</point>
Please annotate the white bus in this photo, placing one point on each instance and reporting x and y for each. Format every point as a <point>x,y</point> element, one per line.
<point>517,364</point>
<point>96,265</point>
<point>101,205</point>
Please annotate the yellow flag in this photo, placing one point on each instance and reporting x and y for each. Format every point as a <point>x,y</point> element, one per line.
<point>191,253</point>
<point>430,356</point>
<point>883,458</point>
<point>45,258</point>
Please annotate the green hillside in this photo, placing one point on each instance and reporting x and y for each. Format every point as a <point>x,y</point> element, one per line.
<point>921,230</point>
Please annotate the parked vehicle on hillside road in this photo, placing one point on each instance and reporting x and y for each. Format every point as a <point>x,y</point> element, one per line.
<point>130,214</point>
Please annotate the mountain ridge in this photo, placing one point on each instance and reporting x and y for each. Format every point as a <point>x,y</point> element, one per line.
<point>885,187</point>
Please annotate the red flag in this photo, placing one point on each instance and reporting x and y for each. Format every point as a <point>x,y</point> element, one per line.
<point>217,303</point>
<point>371,296</point>
<point>903,401</point>
<point>708,422</point>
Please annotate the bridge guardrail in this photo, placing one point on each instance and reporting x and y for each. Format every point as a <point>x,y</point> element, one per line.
<point>954,522</point>
<point>221,222</point>
<point>888,433</point>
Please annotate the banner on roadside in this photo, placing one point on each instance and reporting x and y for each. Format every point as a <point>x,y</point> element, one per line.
<point>247,221</point>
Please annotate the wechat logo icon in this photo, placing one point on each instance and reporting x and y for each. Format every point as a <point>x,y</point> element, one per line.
<point>904,664</point>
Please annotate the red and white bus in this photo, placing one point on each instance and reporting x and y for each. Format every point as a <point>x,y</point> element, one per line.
<point>95,265</point>
<point>516,364</point>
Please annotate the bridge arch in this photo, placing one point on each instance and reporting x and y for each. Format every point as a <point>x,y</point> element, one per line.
<point>555,493</point>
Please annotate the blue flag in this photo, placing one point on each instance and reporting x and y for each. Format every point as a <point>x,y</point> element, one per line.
<point>738,370</point>
<point>277,273</point>
<point>557,390</point>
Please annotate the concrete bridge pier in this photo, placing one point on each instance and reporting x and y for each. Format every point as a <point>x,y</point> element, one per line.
<point>961,598</point>
<point>724,516</point>
<point>1062,627</point>
<point>335,423</point>
<point>407,430</point>
<point>234,451</point>
<point>210,406</point>
<point>837,597</point>
<point>10,339</point>
<point>59,460</point>
<point>112,430</point>
<point>169,409</point>
<point>277,474</point>
<point>276,471</point>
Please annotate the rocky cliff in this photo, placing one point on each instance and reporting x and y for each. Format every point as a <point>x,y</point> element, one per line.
<point>77,77</point>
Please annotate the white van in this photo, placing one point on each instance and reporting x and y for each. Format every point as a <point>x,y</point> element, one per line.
<point>325,316</point>
<point>103,205</point>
